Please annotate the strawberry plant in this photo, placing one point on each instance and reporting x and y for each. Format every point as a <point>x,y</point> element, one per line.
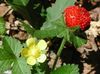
<point>63,20</point>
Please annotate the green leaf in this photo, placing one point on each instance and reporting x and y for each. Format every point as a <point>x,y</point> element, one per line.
<point>66,34</point>
<point>25,8</point>
<point>56,23</point>
<point>51,32</point>
<point>12,45</point>
<point>5,54</point>
<point>77,41</point>
<point>56,11</point>
<point>10,49</point>
<point>5,65</point>
<point>29,29</point>
<point>41,68</point>
<point>10,55</point>
<point>39,71</point>
<point>51,29</point>
<point>18,2</point>
<point>67,69</point>
<point>2,26</point>
<point>20,67</point>
<point>75,28</point>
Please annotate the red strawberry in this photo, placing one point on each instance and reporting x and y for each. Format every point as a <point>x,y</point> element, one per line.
<point>77,16</point>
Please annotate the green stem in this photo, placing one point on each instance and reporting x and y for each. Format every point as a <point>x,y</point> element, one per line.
<point>59,52</point>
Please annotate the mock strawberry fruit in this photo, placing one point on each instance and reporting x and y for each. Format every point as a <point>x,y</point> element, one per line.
<point>77,16</point>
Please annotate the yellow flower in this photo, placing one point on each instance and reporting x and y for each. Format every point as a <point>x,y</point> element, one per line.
<point>34,51</point>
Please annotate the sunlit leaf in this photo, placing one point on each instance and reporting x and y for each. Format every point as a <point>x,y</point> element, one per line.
<point>12,45</point>
<point>56,11</point>
<point>51,29</point>
<point>5,65</point>
<point>20,67</point>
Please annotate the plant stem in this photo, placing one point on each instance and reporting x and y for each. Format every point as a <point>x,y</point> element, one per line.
<point>59,52</point>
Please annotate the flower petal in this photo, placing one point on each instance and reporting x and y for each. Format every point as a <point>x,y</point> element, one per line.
<point>42,44</point>
<point>31,41</point>
<point>31,60</point>
<point>24,52</point>
<point>42,58</point>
